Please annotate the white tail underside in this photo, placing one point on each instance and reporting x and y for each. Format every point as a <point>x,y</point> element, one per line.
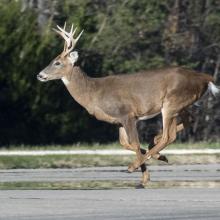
<point>215,90</point>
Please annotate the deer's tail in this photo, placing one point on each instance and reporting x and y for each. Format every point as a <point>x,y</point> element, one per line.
<point>215,90</point>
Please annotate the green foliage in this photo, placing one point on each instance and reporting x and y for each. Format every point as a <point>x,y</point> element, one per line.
<point>120,37</point>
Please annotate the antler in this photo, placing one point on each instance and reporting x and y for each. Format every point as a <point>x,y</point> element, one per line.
<point>70,41</point>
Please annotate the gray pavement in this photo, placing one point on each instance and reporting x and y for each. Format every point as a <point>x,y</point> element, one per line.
<point>121,204</point>
<point>141,204</point>
<point>199,172</point>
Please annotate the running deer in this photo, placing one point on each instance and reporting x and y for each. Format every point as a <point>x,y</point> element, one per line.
<point>126,99</point>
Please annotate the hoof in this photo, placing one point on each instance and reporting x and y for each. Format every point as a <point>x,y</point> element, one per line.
<point>140,186</point>
<point>163,158</point>
<point>127,171</point>
<point>131,169</point>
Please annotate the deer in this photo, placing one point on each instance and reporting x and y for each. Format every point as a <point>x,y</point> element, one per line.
<point>125,99</point>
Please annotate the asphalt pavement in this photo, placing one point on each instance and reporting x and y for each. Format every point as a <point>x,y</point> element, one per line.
<point>197,172</point>
<point>122,204</point>
<point>113,204</point>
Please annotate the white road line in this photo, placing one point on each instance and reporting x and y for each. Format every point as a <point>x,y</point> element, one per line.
<point>102,152</point>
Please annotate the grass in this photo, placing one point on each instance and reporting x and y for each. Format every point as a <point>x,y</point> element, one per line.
<point>103,185</point>
<point>197,145</point>
<point>74,161</point>
<point>62,161</point>
<point>97,146</point>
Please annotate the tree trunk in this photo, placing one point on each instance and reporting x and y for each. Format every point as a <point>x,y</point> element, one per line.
<point>45,9</point>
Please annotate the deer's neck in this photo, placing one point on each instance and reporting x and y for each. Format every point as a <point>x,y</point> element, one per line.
<point>79,86</point>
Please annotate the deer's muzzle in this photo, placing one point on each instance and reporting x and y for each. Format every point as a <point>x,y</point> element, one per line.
<point>42,76</point>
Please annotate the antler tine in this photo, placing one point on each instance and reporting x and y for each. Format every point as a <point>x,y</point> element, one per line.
<point>65,44</point>
<point>70,41</point>
<point>71,30</point>
<point>74,31</point>
<point>62,29</point>
<point>68,34</point>
<point>74,40</point>
<point>79,35</point>
<point>63,35</point>
<point>59,32</point>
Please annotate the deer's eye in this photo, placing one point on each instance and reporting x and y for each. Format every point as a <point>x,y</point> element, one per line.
<point>57,63</point>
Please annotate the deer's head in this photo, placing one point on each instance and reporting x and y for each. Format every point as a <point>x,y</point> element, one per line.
<point>62,64</point>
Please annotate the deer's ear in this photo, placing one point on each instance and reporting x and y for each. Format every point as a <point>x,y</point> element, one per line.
<point>74,57</point>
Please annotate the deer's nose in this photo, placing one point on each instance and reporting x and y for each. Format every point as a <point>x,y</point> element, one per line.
<point>42,77</point>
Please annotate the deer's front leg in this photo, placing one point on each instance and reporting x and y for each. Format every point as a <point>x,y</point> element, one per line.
<point>186,119</point>
<point>130,129</point>
<point>124,141</point>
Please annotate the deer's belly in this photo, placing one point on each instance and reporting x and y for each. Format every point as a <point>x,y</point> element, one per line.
<point>145,117</point>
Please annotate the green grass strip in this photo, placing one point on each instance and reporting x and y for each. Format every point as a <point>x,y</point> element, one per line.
<point>74,161</point>
<point>91,185</point>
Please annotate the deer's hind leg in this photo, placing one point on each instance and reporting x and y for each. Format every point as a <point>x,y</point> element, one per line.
<point>169,132</point>
<point>157,156</point>
<point>186,119</point>
<point>170,128</point>
<point>168,135</point>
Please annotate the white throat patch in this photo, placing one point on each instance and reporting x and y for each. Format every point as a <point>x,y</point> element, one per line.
<point>65,80</point>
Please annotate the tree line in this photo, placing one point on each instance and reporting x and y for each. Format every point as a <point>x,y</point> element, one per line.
<point>123,36</point>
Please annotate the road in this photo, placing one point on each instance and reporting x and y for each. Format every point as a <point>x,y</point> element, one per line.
<point>142,204</point>
<point>121,204</point>
<point>198,172</point>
